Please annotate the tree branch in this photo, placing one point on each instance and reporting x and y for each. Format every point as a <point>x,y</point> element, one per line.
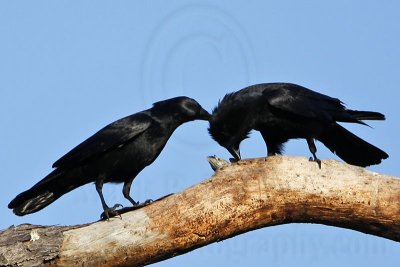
<point>245,196</point>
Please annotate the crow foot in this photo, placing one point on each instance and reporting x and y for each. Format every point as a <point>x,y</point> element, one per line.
<point>313,150</point>
<point>233,160</point>
<point>317,160</point>
<point>148,201</point>
<point>111,212</point>
<point>139,205</point>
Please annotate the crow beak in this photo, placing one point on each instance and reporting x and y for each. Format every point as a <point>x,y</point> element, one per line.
<point>235,153</point>
<point>204,115</point>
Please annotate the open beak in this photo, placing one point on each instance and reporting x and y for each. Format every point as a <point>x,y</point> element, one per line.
<point>204,115</point>
<point>235,153</point>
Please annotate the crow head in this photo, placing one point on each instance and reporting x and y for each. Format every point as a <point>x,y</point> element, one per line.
<point>183,109</point>
<point>230,124</point>
<point>225,138</point>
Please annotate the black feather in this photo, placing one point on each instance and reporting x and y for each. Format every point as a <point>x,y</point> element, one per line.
<point>283,111</point>
<point>116,153</point>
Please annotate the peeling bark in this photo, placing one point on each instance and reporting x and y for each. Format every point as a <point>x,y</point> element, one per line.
<point>238,198</point>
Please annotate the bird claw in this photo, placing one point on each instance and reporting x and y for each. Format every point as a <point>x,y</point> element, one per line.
<point>148,201</point>
<point>318,161</point>
<point>111,212</point>
<point>139,205</point>
<point>233,160</point>
<point>135,203</point>
<point>117,205</point>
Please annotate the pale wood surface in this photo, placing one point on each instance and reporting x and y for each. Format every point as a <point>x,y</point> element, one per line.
<point>241,197</point>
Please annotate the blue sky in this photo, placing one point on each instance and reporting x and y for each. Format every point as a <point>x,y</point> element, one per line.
<point>68,68</point>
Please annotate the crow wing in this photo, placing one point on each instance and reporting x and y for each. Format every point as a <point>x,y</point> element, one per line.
<point>300,101</point>
<point>110,137</point>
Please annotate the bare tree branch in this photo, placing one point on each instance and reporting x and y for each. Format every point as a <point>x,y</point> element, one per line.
<point>247,195</point>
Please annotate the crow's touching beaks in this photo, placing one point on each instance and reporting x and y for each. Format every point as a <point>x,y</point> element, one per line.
<point>283,111</point>
<point>116,154</point>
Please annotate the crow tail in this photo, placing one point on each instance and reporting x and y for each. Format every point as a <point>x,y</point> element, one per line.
<point>365,115</point>
<point>350,147</point>
<point>45,192</point>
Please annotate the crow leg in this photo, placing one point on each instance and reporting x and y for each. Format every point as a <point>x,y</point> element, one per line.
<point>126,190</point>
<point>108,212</point>
<point>275,148</point>
<point>313,150</point>
<point>274,145</point>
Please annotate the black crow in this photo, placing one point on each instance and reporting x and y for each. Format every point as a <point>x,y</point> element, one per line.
<point>116,154</point>
<point>283,111</point>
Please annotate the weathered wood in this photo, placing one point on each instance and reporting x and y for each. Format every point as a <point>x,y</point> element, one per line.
<point>241,197</point>
<point>30,245</point>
